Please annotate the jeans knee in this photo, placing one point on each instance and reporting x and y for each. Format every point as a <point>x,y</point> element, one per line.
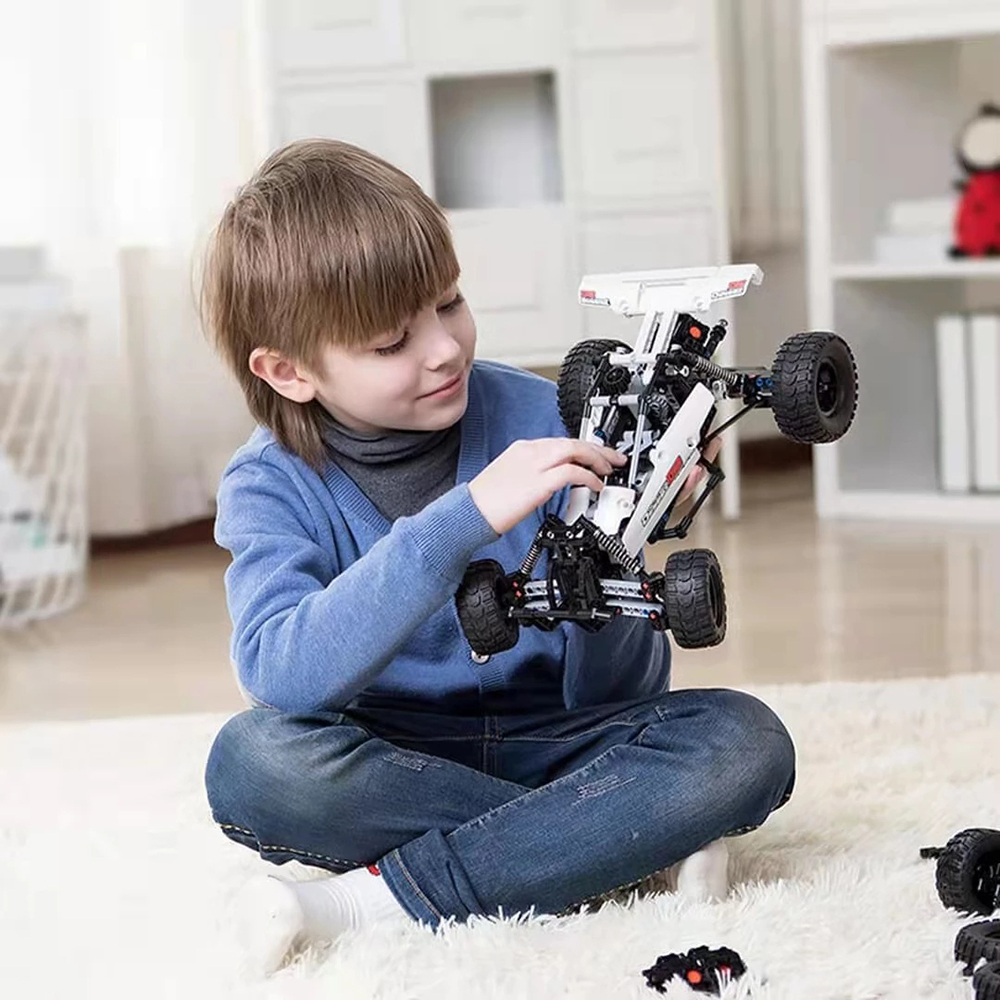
<point>772,745</point>
<point>751,730</point>
<point>226,770</point>
<point>267,768</point>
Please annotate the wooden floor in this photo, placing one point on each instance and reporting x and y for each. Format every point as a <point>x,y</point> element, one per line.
<point>808,601</point>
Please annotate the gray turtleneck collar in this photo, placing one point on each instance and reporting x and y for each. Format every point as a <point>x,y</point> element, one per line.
<point>399,471</point>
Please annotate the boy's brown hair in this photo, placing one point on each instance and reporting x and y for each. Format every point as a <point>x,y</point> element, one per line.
<point>325,244</point>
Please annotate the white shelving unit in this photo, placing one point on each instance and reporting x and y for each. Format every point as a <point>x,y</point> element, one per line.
<point>887,85</point>
<point>562,137</point>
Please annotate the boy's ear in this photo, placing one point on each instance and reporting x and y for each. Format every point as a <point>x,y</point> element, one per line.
<point>282,375</point>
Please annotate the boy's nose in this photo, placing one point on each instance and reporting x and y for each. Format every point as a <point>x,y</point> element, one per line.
<point>446,350</point>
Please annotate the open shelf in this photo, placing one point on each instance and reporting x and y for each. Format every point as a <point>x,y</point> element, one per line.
<point>895,112</point>
<point>875,271</point>
<point>495,141</point>
<point>888,464</point>
<point>887,113</point>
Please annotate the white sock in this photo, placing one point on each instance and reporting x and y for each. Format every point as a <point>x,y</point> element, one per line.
<point>279,918</point>
<point>347,902</point>
<point>704,875</point>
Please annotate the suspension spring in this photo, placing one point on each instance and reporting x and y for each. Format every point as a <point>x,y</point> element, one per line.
<point>614,548</point>
<point>712,370</point>
<point>528,566</point>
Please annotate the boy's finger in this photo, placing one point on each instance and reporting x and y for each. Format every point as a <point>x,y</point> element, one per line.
<point>584,453</point>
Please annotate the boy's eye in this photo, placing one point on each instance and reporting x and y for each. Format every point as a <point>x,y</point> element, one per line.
<point>396,347</point>
<point>452,304</point>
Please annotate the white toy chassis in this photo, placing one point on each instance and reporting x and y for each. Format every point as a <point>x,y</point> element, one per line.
<point>655,402</point>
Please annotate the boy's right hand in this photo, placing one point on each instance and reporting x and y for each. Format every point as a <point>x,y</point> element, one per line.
<point>523,477</point>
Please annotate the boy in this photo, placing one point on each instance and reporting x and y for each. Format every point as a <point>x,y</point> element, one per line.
<point>386,460</point>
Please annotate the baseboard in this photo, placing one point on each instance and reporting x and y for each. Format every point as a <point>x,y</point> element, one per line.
<point>197,532</point>
<point>773,454</point>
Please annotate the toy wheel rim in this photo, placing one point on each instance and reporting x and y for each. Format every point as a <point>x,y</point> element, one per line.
<point>828,388</point>
<point>716,596</point>
<point>986,881</point>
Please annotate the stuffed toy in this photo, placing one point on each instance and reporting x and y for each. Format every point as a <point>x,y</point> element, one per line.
<point>977,221</point>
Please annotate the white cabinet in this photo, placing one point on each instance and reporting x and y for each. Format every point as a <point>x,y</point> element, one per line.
<point>559,135</point>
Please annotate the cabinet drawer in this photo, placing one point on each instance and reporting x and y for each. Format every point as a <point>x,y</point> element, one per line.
<point>484,35</point>
<point>614,24</point>
<point>388,119</point>
<point>515,277</point>
<point>644,125</point>
<point>334,34</point>
<point>644,242</point>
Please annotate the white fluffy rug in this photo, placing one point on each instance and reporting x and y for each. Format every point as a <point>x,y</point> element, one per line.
<point>114,882</point>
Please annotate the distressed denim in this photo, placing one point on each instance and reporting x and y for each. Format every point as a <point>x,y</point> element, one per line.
<point>481,814</point>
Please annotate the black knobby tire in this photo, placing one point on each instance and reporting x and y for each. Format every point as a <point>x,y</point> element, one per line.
<point>576,375</point>
<point>979,940</point>
<point>986,982</point>
<point>481,610</point>
<point>814,388</point>
<point>694,598</point>
<point>968,871</point>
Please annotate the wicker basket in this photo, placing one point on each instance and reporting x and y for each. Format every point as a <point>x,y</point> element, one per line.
<point>43,524</point>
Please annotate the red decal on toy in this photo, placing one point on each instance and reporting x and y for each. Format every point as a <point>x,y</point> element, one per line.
<point>735,286</point>
<point>674,470</point>
<point>588,295</point>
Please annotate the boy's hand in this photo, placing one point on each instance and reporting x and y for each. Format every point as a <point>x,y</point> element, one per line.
<point>697,474</point>
<point>528,473</point>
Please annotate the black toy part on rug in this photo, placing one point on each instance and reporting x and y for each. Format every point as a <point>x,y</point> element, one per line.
<point>968,870</point>
<point>702,968</point>
<point>974,943</point>
<point>986,982</point>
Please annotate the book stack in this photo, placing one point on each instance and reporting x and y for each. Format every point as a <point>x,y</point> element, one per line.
<point>968,379</point>
<point>917,231</point>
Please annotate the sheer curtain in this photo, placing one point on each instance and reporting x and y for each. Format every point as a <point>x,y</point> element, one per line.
<point>762,83</point>
<point>127,124</point>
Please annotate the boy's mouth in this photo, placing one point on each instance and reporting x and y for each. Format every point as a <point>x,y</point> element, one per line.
<point>444,387</point>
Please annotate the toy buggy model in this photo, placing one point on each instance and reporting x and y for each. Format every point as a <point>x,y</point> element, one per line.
<point>654,403</point>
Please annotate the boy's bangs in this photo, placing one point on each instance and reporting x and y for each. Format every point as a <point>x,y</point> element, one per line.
<point>402,261</point>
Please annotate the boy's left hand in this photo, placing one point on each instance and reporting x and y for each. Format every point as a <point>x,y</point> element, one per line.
<point>697,474</point>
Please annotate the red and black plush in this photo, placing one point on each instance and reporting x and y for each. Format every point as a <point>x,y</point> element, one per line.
<point>977,222</point>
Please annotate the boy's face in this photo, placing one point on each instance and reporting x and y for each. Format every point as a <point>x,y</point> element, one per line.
<point>413,378</point>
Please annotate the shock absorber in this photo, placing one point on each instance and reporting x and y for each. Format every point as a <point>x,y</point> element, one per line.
<point>712,370</point>
<point>614,548</point>
<point>528,566</point>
